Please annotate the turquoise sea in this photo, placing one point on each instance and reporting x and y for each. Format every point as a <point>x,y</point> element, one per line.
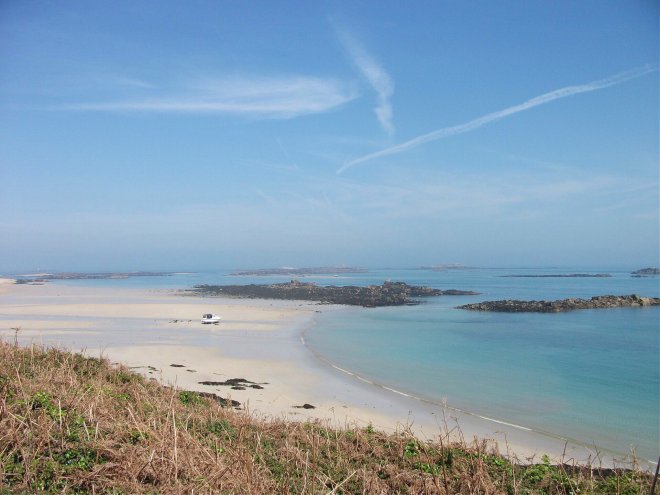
<point>590,376</point>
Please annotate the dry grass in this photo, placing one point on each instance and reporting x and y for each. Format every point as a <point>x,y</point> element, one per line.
<point>71,424</point>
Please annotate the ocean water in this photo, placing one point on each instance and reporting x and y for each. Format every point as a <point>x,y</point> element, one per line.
<point>590,376</point>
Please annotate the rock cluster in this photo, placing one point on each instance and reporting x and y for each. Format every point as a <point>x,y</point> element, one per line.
<point>597,302</point>
<point>646,272</point>
<point>221,400</point>
<point>234,383</point>
<point>569,275</point>
<point>387,294</point>
<point>43,278</point>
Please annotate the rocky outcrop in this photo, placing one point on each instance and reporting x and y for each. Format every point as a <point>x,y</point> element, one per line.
<point>387,294</point>
<point>597,302</point>
<point>220,400</point>
<point>568,275</point>
<point>646,272</point>
<point>45,277</point>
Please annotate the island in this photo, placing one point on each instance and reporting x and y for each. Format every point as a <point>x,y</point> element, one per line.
<point>560,275</point>
<point>387,294</point>
<point>288,271</point>
<point>41,278</point>
<point>646,272</point>
<point>446,266</point>
<point>596,302</point>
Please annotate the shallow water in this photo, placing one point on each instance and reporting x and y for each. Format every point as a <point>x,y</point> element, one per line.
<point>591,376</point>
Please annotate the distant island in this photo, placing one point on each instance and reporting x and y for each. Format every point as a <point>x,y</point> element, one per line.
<point>288,271</point>
<point>387,294</point>
<point>645,272</point>
<point>569,275</point>
<point>597,302</point>
<point>45,277</point>
<point>446,266</point>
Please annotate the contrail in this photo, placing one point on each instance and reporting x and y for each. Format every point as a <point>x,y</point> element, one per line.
<point>495,116</point>
<point>377,77</point>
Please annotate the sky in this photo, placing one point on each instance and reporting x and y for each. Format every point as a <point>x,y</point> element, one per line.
<point>141,135</point>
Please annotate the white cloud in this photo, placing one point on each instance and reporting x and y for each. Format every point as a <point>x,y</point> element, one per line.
<point>132,82</point>
<point>377,77</point>
<point>438,195</point>
<point>273,97</point>
<point>495,116</point>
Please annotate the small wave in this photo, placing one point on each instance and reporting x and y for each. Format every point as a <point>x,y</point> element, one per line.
<point>400,393</point>
<point>420,399</point>
<point>503,422</point>
<point>445,406</point>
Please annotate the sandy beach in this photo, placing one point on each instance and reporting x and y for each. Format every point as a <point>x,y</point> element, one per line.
<point>159,334</point>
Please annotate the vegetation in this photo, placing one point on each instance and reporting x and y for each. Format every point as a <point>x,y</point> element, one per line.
<point>72,424</point>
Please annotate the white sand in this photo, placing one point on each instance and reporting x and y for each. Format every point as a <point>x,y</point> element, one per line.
<point>6,284</point>
<point>257,340</point>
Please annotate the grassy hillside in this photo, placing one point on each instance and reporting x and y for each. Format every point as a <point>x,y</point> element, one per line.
<point>71,424</point>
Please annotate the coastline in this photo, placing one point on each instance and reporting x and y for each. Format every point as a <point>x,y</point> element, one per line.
<point>260,341</point>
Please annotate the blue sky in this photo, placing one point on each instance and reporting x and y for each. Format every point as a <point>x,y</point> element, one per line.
<point>198,135</point>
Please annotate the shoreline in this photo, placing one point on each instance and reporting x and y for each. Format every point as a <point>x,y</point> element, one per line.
<point>521,442</point>
<point>261,341</point>
<point>459,411</point>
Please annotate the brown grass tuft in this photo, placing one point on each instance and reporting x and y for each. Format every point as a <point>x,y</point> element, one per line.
<point>73,424</point>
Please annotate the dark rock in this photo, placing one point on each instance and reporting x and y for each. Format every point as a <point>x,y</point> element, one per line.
<point>570,275</point>
<point>305,406</point>
<point>387,294</point>
<point>232,382</point>
<point>645,272</point>
<point>236,381</point>
<point>454,292</point>
<point>30,281</point>
<point>177,365</point>
<point>221,400</point>
<point>596,302</point>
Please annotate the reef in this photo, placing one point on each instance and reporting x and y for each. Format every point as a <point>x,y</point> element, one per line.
<point>387,294</point>
<point>646,272</point>
<point>596,302</point>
